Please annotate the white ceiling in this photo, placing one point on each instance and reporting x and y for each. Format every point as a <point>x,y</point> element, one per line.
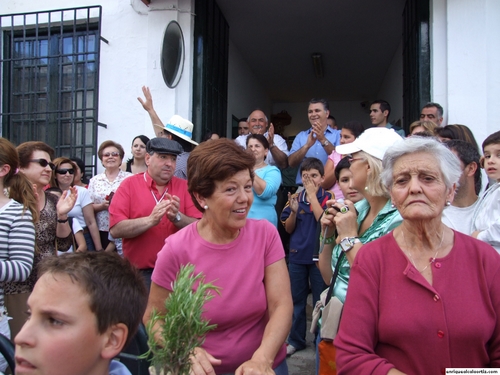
<point>357,39</point>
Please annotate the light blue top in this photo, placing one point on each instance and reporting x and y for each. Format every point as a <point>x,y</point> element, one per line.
<point>400,131</point>
<point>118,368</point>
<point>263,204</point>
<point>317,150</point>
<point>387,219</point>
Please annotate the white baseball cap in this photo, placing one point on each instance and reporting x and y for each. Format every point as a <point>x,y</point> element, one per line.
<point>374,141</point>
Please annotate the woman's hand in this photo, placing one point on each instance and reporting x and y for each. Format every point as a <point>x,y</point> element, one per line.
<point>346,223</point>
<point>202,362</point>
<point>327,218</point>
<point>67,201</point>
<point>254,367</point>
<point>104,206</point>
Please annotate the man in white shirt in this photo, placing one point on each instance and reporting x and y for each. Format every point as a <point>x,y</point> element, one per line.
<point>459,215</point>
<point>278,149</point>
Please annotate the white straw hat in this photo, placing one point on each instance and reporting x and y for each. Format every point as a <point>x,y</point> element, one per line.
<point>181,127</point>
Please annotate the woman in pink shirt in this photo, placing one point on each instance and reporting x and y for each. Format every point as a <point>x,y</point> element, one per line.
<point>244,257</point>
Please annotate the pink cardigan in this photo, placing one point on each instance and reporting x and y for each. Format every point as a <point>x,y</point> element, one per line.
<point>393,317</point>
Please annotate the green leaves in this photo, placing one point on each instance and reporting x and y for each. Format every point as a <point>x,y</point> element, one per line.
<point>181,329</point>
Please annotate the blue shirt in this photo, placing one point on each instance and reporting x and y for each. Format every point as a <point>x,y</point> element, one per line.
<point>317,150</point>
<point>303,238</point>
<point>118,368</point>
<point>263,204</point>
<point>397,129</point>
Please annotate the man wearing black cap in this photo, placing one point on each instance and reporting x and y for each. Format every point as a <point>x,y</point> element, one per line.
<point>150,206</point>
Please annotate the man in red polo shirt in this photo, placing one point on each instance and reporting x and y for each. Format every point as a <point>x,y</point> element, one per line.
<point>148,207</point>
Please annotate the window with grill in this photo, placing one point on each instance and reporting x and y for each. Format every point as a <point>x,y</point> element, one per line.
<point>49,66</point>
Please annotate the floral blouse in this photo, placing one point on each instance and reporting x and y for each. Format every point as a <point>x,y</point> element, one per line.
<point>45,242</point>
<point>99,188</point>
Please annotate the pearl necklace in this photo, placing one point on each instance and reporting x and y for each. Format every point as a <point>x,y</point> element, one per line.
<point>433,259</point>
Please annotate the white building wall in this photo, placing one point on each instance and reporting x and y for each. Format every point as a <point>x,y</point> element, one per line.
<point>131,60</point>
<point>465,63</point>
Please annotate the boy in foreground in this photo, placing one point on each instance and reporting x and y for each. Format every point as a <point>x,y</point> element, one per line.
<point>300,218</point>
<point>83,311</point>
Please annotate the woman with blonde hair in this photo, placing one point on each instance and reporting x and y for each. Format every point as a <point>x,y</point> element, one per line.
<point>422,127</point>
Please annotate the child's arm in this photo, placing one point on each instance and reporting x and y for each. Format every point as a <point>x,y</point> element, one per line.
<point>293,204</point>
<point>490,235</point>
<point>111,247</point>
<point>80,242</point>
<point>312,190</point>
<point>490,205</point>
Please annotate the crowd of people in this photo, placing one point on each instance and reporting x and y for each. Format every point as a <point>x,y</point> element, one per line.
<point>410,226</point>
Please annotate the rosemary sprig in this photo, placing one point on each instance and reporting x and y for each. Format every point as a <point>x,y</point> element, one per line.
<point>182,327</point>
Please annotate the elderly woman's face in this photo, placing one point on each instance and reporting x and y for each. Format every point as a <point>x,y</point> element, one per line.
<point>111,158</point>
<point>418,190</point>
<point>230,203</point>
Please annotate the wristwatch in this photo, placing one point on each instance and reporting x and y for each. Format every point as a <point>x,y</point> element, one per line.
<point>348,243</point>
<point>177,218</point>
<point>325,143</point>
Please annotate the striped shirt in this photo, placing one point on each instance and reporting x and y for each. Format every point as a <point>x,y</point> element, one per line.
<point>17,243</point>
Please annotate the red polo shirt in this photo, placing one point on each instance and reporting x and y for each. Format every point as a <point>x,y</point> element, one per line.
<point>134,199</point>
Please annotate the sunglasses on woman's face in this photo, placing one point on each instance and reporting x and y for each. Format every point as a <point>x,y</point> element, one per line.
<point>66,170</point>
<point>351,159</point>
<point>43,163</point>
<point>108,154</point>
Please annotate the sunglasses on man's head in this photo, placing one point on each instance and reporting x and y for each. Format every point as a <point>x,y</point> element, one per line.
<point>43,163</point>
<point>65,170</point>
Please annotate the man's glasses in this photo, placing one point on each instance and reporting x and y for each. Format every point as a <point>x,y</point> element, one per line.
<point>108,154</point>
<point>350,159</point>
<point>43,163</point>
<point>66,170</point>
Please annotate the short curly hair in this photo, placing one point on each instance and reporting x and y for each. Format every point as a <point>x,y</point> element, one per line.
<point>110,143</point>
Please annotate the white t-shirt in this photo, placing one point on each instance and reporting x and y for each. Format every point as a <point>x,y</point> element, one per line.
<point>459,218</point>
<point>83,200</point>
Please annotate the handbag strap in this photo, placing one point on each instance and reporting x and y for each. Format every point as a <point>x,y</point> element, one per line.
<point>334,278</point>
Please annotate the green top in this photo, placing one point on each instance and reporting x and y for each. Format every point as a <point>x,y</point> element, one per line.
<point>387,219</point>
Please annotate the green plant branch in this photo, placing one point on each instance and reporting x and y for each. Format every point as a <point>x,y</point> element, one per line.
<point>182,327</point>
